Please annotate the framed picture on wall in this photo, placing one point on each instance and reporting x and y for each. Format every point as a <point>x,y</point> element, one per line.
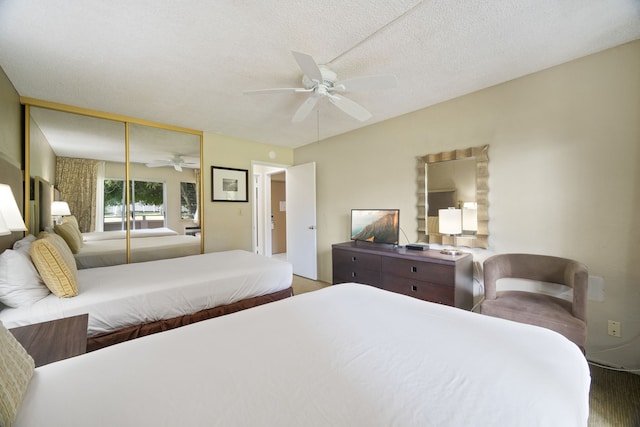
<point>229,184</point>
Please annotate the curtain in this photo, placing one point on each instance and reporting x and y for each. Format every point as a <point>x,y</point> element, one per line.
<point>196,218</point>
<point>77,179</point>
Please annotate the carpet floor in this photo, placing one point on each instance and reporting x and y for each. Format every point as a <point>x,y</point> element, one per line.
<point>614,399</point>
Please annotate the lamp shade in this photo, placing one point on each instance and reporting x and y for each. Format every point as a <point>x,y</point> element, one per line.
<point>10,216</point>
<point>470,216</point>
<point>60,208</point>
<point>450,221</point>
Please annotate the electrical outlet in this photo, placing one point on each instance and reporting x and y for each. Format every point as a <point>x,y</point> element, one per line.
<point>614,328</point>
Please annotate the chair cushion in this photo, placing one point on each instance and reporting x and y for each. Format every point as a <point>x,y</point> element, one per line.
<point>537,309</point>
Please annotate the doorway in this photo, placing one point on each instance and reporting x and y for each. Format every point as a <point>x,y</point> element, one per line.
<point>278,214</point>
<point>299,209</point>
<point>270,214</point>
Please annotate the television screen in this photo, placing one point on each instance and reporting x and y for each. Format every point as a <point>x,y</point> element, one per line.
<point>376,225</point>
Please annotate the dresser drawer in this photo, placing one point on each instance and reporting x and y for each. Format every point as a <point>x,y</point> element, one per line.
<point>419,289</point>
<point>367,277</point>
<point>419,270</point>
<point>356,259</point>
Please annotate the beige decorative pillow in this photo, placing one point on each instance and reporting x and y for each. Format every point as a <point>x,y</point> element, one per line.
<point>70,235</point>
<point>16,370</point>
<point>72,220</point>
<point>55,263</point>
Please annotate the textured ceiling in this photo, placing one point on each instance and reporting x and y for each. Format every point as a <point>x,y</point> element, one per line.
<point>186,63</point>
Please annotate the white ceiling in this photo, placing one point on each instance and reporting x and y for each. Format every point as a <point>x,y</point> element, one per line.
<point>186,63</point>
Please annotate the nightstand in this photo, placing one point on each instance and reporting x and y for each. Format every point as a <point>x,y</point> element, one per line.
<point>55,340</point>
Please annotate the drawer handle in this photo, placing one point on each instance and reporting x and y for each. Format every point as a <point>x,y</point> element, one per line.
<point>353,274</point>
<point>414,269</point>
<point>353,259</point>
<point>414,288</point>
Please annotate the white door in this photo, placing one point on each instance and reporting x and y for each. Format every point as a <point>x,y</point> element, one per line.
<point>301,220</point>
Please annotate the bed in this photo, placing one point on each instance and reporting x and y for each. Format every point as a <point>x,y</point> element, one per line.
<point>121,234</point>
<point>101,249</point>
<point>107,252</point>
<point>132,300</point>
<point>348,355</point>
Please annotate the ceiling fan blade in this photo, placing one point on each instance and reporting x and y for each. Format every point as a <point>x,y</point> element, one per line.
<point>276,90</point>
<point>308,66</point>
<point>348,106</point>
<point>157,164</point>
<point>305,109</point>
<point>177,168</point>
<point>367,83</point>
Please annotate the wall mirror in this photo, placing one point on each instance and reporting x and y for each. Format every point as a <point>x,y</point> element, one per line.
<point>121,179</point>
<point>458,182</point>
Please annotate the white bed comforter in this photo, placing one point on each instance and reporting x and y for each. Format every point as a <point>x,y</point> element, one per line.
<point>131,294</point>
<point>347,355</point>
<point>121,234</point>
<point>101,253</point>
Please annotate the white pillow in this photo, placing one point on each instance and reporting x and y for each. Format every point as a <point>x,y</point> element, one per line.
<point>25,243</point>
<point>20,283</point>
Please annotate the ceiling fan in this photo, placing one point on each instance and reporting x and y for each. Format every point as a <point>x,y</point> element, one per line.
<point>177,162</point>
<point>320,82</point>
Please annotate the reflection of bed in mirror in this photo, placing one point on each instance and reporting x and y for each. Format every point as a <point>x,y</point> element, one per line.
<point>101,249</point>
<point>121,234</point>
<point>102,253</point>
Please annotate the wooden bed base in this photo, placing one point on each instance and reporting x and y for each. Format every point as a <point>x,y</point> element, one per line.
<point>131,332</point>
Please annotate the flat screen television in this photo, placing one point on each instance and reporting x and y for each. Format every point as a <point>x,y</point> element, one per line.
<point>376,225</point>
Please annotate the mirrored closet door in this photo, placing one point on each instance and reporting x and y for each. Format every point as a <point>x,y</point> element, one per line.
<point>132,187</point>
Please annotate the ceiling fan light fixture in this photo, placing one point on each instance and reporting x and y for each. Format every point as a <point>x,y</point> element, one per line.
<point>322,82</point>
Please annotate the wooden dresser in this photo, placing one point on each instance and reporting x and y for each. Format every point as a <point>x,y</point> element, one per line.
<point>427,275</point>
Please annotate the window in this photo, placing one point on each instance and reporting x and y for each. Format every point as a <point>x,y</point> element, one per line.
<point>188,200</point>
<point>148,208</point>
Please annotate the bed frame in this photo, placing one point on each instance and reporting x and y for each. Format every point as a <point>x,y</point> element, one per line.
<point>104,340</point>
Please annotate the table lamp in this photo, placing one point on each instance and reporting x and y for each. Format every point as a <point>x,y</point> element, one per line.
<point>10,216</point>
<point>450,223</point>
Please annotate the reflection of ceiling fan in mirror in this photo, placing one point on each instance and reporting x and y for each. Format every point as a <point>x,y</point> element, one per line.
<point>177,162</point>
<point>320,82</point>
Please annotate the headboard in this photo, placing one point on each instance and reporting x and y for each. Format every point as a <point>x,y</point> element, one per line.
<point>40,205</point>
<point>11,175</point>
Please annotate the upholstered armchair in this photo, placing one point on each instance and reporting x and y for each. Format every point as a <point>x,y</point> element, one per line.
<point>565,317</point>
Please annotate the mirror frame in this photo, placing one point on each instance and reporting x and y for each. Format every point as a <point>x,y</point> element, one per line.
<point>127,121</point>
<point>481,239</point>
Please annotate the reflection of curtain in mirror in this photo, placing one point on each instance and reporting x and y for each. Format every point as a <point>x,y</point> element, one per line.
<point>77,181</point>
<point>196,219</point>
<point>99,225</point>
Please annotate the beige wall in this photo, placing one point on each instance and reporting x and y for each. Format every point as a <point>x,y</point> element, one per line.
<point>10,121</point>
<point>228,225</point>
<point>44,163</point>
<point>564,172</point>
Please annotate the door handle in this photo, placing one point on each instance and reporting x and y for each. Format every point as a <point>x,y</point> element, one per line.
<point>312,227</point>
